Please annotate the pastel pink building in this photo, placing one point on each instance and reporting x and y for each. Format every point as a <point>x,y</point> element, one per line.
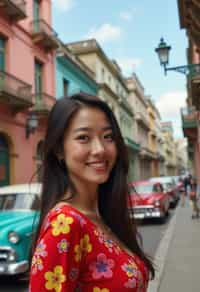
<point>27,85</point>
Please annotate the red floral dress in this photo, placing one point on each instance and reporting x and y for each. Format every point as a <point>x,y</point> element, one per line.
<point>74,254</point>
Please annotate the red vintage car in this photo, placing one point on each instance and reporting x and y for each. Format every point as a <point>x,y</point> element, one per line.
<point>148,200</point>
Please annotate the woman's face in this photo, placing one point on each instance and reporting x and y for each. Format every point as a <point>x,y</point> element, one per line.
<point>89,149</point>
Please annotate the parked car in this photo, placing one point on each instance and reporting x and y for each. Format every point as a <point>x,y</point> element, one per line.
<point>169,187</point>
<point>148,200</point>
<point>179,183</point>
<point>18,212</point>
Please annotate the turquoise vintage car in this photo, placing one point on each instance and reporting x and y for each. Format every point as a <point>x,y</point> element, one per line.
<point>18,219</point>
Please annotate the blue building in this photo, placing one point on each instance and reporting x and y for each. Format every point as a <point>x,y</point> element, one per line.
<point>72,76</point>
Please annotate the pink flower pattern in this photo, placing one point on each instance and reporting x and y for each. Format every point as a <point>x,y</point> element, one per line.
<point>102,267</point>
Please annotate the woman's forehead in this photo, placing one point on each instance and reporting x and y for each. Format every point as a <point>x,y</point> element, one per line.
<point>90,117</point>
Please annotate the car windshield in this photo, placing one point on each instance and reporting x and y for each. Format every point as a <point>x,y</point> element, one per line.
<point>144,189</point>
<point>19,202</point>
<point>167,186</point>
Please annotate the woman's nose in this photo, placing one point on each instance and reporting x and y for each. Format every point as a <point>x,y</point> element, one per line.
<point>98,147</point>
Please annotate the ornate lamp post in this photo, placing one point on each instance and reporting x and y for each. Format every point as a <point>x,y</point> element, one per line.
<point>163,54</point>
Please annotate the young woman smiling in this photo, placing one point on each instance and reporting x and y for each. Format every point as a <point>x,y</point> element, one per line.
<point>86,240</point>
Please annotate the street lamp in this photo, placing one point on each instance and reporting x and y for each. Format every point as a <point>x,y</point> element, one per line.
<point>163,54</point>
<point>31,124</point>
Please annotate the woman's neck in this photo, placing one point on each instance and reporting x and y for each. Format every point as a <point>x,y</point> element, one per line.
<point>86,200</point>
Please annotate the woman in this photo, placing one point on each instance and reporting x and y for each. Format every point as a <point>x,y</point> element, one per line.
<point>86,240</point>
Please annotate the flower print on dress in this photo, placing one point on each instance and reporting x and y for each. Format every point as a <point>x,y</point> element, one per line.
<point>96,289</point>
<point>130,268</point>
<point>84,247</point>
<point>37,262</point>
<point>61,225</point>
<point>63,245</point>
<point>40,249</point>
<point>55,279</point>
<point>78,217</point>
<point>131,283</point>
<point>102,267</point>
<point>73,274</point>
<point>108,242</point>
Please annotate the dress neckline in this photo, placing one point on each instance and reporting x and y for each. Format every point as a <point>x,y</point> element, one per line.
<point>95,225</point>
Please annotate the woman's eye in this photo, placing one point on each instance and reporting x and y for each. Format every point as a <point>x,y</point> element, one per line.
<point>109,137</point>
<point>83,138</point>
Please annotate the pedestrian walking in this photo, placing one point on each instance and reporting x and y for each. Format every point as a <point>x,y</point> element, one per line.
<point>187,184</point>
<point>194,199</point>
<point>86,240</point>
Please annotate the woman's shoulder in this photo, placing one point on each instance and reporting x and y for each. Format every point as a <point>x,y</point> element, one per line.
<point>65,212</point>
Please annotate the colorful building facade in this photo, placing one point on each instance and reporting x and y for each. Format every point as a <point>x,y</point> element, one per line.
<point>27,86</point>
<point>72,75</point>
<point>189,12</point>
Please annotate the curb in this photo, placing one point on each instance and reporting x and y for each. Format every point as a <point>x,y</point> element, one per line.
<point>161,254</point>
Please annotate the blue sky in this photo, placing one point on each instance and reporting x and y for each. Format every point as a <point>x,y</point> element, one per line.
<point>129,31</point>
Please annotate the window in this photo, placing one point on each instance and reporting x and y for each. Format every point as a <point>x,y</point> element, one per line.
<point>2,54</point>
<point>38,80</point>
<point>36,10</point>
<point>65,87</point>
<point>102,74</point>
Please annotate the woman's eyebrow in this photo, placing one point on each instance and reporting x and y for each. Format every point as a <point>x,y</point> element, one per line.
<point>81,129</point>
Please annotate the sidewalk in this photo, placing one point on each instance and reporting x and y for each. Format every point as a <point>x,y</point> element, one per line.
<point>179,256</point>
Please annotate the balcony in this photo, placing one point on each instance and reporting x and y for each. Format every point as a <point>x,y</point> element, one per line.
<point>190,121</point>
<point>43,103</point>
<point>14,9</point>
<point>44,35</point>
<point>132,144</point>
<point>14,92</point>
<point>189,117</point>
<point>140,118</point>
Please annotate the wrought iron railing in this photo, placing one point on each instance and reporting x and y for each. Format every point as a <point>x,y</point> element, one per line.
<point>40,26</point>
<point>11,85</point>
<point>43,102</point>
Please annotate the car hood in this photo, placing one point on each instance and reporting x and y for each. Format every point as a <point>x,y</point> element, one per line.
<point>146,199</point>
<point>18,221</point>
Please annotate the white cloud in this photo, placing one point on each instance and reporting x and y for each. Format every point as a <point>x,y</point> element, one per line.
<point>105,33</point>
<point>128,65</point>
<point>169,106</point>
<point>126,15</point>
<point>64,5</point>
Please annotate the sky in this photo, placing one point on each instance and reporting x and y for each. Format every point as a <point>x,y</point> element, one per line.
<point>129,31</point>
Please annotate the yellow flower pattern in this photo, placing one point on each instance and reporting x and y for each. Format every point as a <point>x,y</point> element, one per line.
<point>96,289</point>
<point>61,225</point>
<point>55,279</point>
<point>84,247</point>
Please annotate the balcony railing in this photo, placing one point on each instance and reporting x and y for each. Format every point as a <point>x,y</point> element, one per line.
<point>190,117</point>
<point>14,92</point>
<point>43,34</point>
<point>15,9</point>
<point>140,117</point>
<point>43,103</point>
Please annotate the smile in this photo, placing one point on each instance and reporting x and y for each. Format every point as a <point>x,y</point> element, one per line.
<point>98,165</point>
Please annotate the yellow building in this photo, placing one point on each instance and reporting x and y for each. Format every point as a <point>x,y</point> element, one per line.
<point>152,138</point>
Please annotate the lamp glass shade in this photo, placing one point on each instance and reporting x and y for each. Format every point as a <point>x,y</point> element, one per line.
<point>163,52</point>
<point>32,121</point>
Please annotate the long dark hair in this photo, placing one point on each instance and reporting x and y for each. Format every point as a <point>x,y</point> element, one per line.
<point>113,194</point>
